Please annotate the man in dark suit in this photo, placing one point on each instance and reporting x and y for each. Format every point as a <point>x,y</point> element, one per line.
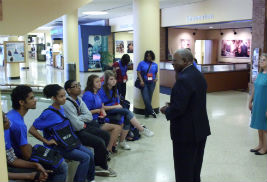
<point>187,113</point>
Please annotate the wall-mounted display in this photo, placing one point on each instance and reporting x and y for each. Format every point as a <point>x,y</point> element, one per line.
<point>14,51</point>
<point>94,52</point>
<point>185,43</point>
<point>119,46</point>
<point>236,48</point>
<point>255,62</point>
<point>129,46</point>
<point>1,55</point>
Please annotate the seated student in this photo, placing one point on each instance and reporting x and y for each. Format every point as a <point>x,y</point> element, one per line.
<point>89,131</point>
<point>19,169</point>
<point>23,99</point>
<point>50,117</point>
<point>94,104</point>
<point>110,98</point>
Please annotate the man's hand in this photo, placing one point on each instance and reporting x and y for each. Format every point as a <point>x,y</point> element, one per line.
<point>40,168</point>
<point>51,142</point>
<point>163,109</point>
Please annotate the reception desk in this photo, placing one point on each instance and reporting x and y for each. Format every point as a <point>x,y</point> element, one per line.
<point>219,77</point>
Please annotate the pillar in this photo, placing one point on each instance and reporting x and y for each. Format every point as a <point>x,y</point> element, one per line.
<point>3,168</point>
<point>146,15</point>
<point>71,46</point>
<point>26,56</point>
<point>13,69</point>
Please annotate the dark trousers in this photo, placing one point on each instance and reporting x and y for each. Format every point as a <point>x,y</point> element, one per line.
<point>147,93</point>
<point>121,89</point>
<point>188,158</point>
<point>98,139</point>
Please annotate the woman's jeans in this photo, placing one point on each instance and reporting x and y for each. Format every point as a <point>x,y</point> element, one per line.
<point>147,93</point>
<point>122,89</point>
<point>86,168</point>
<point>128,115</point>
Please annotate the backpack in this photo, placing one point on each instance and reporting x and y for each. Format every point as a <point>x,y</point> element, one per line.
<point>49,158</point>
<point>63,134</point>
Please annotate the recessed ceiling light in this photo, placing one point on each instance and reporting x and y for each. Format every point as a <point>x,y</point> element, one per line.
<point>95,13</point>
<point>210,27</point>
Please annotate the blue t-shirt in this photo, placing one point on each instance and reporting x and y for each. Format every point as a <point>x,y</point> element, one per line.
<point>143,67</point>
<point>47,119</point>
<point>18,131</point>
<point>92,101</point>
<point>108,101</point>
<point>7,139</point>
<point>123,69</point>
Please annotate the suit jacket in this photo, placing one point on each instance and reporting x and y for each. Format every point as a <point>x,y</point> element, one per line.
<point>187,111</point>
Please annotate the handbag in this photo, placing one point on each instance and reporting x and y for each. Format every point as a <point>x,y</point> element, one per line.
<point>125,103</point>
<point>49,158</point>
<point>137,82</point>
<point>63,134</point>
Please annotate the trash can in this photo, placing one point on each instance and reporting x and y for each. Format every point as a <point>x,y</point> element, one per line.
<point>71,71</point>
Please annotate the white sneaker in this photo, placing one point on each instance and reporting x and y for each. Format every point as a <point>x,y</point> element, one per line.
<point>124,146</point>
<point>147,132</point>
<point>112,173</point>
<point>99,171</point>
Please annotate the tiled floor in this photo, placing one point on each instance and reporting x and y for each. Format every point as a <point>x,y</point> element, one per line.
<point>227,156</point>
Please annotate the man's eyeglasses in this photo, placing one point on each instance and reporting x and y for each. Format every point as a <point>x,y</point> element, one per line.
<point>78,85</point>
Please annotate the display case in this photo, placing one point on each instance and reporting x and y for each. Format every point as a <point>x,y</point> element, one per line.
<point>219,77</point>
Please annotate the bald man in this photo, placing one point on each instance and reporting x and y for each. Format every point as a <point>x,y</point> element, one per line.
<point>188,118</point>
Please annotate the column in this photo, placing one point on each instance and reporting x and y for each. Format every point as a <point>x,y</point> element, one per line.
<point>146,15</point>
<point>3,168</point>
<point>70,46</point>
<point>26,56</point>
<point>13,69</point>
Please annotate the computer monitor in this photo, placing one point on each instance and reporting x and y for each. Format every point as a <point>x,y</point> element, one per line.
<point>96,57</point>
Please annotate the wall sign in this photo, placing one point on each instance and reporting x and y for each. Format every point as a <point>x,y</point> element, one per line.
<point>201,18</point>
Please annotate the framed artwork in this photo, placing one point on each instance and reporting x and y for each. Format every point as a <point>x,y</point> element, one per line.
<point>255,62</point>
<point>119,46</point>
<point>14,51</point>
<point>1,10</point>
<point>236,48</point>
<point>95,46</point>
<point>185,43</point>
<point>130,46</point>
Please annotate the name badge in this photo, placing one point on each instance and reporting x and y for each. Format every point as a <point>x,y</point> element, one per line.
<point>149,76</point>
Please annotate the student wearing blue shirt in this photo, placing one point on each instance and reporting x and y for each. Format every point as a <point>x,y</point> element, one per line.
<point>147,73</point>
<point>95,105</point>
<point>19,169</point>
<point>109,96</point>
<point>23,99</point>
<point>48,118</point>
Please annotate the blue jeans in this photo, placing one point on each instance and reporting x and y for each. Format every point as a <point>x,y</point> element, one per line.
<point>147,93</point>
<point>128,115</point>
<point>59,174</point>
<point>86,168</point>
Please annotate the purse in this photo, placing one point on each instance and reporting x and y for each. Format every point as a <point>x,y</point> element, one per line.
<point>137,81</point>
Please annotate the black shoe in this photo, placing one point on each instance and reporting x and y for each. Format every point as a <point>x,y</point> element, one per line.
<point>254,150</point>
<point>258,153</point>
<point>154,114</point>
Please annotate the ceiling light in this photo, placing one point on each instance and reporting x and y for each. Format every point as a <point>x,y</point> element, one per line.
<point>210,27</point>
<point>95,13</point>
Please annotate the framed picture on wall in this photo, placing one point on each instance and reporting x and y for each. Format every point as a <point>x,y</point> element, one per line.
<point>14,51</point>
<point>130,46</point>
<point>119,46</point>
<point>236,48</point>
<point>185,43</point>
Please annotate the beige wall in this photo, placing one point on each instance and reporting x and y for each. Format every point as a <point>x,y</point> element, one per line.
<point>21,17</point>
<point>125,36</point>
<point>175,36</point>
<point>207,12</point>
<point>124,23</point>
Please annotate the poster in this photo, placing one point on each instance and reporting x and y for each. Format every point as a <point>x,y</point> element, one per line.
<point>1,55</point>
<point>185,43</point>
<point>119,46</point>
<point>14,51</point>
<point>235,48</point>
<point>94,52</point>
<point>129,46</point>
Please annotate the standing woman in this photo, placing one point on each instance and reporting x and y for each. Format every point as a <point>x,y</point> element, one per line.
<point>49,118</point>
<point>258,106</point>
<point>120,68</point>
<point>147,72</point>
